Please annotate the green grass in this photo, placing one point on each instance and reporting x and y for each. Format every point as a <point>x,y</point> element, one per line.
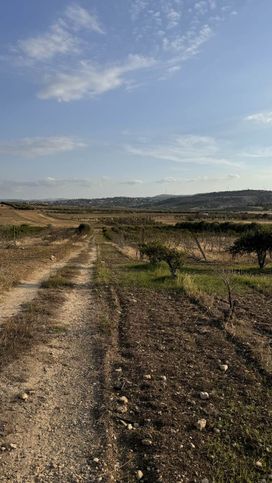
<point>196,279</point>
<point>238,446</point>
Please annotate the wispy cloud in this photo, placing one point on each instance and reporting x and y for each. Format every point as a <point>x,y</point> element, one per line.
<point>61,37</point>
<point>202,150</point>
<point>90,80</point>
<point>259,152</point>
<point>168,179</point>
<point>264,118</point>
<point>132,182</point>
<point>164,33</point>
<point>39,146</point>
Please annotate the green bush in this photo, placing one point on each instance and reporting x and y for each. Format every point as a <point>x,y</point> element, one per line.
<point>159,253</point>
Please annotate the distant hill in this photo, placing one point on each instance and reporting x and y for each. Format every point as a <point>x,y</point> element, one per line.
<point>225,200</point>
<point>218,201</point>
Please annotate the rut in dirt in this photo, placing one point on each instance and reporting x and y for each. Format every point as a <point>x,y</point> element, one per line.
<point>27,289</point>
<point>56,433</point>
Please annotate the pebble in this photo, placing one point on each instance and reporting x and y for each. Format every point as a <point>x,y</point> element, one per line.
<point>122,409</point>
<point>147,442</point>
<point>130,427</point>
<point>201,424</point>
<point>259,464</point>
<point>204,396</point>
<point>147,376</point>
<point>164,378</point>
<point>96,460</point>
<point>139,475</point>
<point>223,367</point>
<point>123,399</point>
<point>23,396</point>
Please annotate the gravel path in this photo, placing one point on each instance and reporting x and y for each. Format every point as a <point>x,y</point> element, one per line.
<point>54,431</point>
<point>27,289</point>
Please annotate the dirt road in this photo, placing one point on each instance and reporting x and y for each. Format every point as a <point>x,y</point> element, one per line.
<point>53,435</point>
<point>27,289</point>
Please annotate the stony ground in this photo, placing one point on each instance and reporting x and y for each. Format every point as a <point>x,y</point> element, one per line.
<point>49,425</point>
<point>135,384</point>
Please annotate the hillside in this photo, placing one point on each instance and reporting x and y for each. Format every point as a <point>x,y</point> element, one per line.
<point>225,200</point>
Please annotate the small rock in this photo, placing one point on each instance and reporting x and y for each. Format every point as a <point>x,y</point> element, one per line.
<point>139,475</point>
<point>12,446</point>
<point>119,369</point>
<point>23,396</point>
<point>204,396</point>
<point>130,427</point>
<point>122,409</point>
<point>164,378</point>
<point>259,464</point>
<point>123,422</point>
<point>223,367</point>
<point>201,424</point>
<point>96,460</point>
<point>217,431</point>
<point>147,442</point>
<point>123,399</point>
<point>53,258</point>
<point>147,376</point>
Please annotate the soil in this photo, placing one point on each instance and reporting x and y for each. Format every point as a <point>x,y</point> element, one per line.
<point>26,290</point>
<point>56,431</point>
<point>114,393</point>
<point>165,351</point>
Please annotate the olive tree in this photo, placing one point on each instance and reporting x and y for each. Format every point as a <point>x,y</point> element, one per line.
<point>258,242</point>
<point>159,253</point>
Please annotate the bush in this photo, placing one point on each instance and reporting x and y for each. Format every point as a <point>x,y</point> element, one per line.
<point>159,253</point>
<point>258,242</point>
<point>83,229</point>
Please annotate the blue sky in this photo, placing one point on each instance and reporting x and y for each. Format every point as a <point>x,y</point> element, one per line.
<point>134,97</point>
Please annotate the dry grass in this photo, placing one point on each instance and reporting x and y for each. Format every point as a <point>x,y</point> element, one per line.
<point>36,320</point>
<point>16,264</point>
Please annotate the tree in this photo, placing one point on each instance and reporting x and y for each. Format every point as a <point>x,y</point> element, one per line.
<point>258,242</point>
<point>156,253</point>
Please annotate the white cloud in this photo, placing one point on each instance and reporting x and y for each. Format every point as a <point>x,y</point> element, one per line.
<point>35,147</point>
<point>260,118</point>
<point>132,182</point>
<point>202,150</point>
<point>168,179</point>
<point>82,18</point>
<point>264,152</point>
<point>43,47</point>
<point>91,81</point>
<point>73,66</point>
<point>60,39</point>
<point>188,45</point>
<point>215,179</point>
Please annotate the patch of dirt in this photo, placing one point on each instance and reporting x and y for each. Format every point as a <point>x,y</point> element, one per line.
<point>57,431</point>
<point>27,289</point>
<point>164,353</point>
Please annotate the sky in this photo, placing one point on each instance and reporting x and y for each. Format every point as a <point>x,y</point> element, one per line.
<point>134,97</point>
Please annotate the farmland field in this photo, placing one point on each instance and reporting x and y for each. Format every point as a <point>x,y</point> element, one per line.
<point>114,368</point>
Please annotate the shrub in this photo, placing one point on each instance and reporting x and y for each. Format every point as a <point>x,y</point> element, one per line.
<point>159,253</point>
<point>83,229</point>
